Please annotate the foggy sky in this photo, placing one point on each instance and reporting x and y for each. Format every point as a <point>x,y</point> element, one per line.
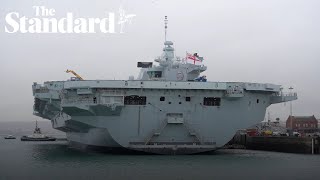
<point>265,41</point>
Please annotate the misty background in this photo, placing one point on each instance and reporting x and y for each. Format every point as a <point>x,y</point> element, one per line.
<point>265,41</point>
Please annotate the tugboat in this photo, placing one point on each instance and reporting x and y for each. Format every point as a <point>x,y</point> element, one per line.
<point>37,136</point>
<point>9,137</point>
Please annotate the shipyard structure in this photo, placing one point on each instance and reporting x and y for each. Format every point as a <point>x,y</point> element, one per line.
<point>169,109</point>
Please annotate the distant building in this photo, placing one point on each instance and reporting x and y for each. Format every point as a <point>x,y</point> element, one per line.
<point>302,124</point>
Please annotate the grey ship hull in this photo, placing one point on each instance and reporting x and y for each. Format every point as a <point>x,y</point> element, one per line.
<point>95,113</point>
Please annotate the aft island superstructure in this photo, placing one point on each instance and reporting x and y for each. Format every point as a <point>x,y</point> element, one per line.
<point>168,109</point>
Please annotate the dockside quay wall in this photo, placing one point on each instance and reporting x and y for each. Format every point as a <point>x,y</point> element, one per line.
<point>284,144</point>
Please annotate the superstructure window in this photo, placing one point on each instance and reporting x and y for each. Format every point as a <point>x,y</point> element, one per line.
<point>211,101</point>
<point>188,98</point>
<point>154,74</point>
<point>162,98</point>
<point>135,100</point>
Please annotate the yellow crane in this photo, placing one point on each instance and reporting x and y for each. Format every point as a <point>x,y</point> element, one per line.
<point>75,74</point>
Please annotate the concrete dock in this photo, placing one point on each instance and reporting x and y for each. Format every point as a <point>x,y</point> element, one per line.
<point>290,144</point>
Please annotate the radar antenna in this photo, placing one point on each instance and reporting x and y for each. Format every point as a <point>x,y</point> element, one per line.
<point>165,27</point>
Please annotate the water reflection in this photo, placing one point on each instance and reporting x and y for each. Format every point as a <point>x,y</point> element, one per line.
<point>57,160</point>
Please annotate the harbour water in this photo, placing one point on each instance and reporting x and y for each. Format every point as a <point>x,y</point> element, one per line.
<point>55,160</point>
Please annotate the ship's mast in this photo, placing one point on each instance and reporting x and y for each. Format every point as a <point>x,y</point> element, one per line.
<point>165,28</point>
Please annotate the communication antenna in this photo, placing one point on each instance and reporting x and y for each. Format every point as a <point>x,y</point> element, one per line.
<point>165,27</point>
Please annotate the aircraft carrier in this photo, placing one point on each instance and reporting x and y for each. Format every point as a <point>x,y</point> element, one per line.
<point>169,109</point>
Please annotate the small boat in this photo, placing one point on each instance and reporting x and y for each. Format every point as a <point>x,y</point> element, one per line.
<point>9,137</point>
<point>37,136</point>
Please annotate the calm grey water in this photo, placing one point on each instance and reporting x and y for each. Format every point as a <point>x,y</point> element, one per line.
<point>54,160</point>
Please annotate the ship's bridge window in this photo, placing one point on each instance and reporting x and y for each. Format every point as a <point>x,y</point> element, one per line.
<point>211,101</point>
<point>135,100</point>
<point>154,74</point>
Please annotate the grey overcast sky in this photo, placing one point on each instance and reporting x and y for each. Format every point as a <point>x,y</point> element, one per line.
<point>267,41</point>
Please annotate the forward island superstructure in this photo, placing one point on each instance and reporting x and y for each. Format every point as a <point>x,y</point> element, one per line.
<point>168,109</point>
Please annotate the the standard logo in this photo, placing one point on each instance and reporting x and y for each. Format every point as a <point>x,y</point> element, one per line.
<point>45,22</point>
